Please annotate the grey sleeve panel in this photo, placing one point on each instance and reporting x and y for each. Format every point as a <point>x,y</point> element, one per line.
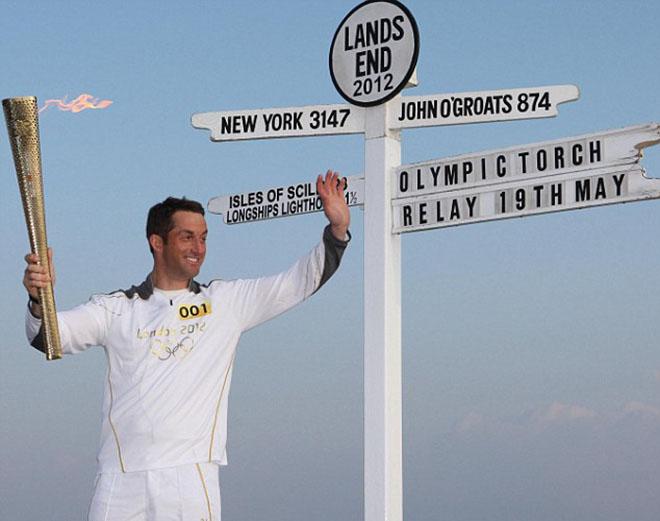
<point>334,249</point>
<point>38,342</point>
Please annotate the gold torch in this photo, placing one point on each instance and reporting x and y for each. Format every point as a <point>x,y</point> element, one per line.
<point>21,115</point>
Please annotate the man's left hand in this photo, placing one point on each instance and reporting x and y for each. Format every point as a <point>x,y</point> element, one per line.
<point>331,192</point>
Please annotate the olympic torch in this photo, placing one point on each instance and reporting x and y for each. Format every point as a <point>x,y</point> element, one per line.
<point>21,115</point>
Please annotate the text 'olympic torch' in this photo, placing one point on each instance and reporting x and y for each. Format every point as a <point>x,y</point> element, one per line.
<point>21,115</point>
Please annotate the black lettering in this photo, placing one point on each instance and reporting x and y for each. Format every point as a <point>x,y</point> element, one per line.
<point>432,108</point>
<point>403,181</point>
<point>360,63</point>
<point>455,210</point>
<point>411,111</point>
<point>385,59</point>
<point>225,125</point>
<point>372,33</point>
<point>267,120</point>
<point>559,157</point>
<point>435,171</point>
<point>359,36</point>
<point>576,153</point>
<point>407,215</point>
<point>467,170</point>
<point>618,182</point>
<point>451,174</point>
<point>595,152</point>
<point>385,30</point>
<point>445,108</point>
<point>402,116</point>
<point>600,189</point>
<point>507,103</point>
<point>297,123</point>
<point>501,169</point>
<point>538,189</point>
<point>541,160</point>
<point>421,110</point>
<point>422,213</point>
<point>232,124</point>
<point>420,185</point>
<point>397,34</point>
<point>470,202</point>
<point>489,106</point>
<point>520,199</point>
<point>582,190</point>
<point>467,106</point>
<point>523,159</point>
<point>347,40</point>
<point>345,113</point>
<point>438,212</point>
<point>372,61</point>
<point>478,106</point>
<point>457,106</point>
<point>555,194</point>
<point>249,122</point>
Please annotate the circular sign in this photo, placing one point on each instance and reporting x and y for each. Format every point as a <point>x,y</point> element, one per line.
<point>374,52</point>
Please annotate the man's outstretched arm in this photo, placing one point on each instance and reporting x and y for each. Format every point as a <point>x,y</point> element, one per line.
<point>257,300</point>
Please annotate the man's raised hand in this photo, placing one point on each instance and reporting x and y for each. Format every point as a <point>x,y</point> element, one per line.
<point>331,192</point>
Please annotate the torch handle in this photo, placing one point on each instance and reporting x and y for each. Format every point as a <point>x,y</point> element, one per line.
<point>49,323</point>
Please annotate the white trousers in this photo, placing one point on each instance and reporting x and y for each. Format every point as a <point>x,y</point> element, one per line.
<point>185,493</point>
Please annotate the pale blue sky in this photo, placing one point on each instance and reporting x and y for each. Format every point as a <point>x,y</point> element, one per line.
<point>530,346</point>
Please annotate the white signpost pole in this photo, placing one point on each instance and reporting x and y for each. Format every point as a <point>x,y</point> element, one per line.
<point>372,58</point>
<point>383,487</point>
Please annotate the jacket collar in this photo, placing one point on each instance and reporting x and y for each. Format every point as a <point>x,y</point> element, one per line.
<point>146,288</point>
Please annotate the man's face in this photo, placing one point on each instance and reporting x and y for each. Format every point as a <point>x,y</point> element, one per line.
<point>185,248</point>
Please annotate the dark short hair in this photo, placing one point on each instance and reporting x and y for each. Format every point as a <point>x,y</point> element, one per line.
<point>159,219</point>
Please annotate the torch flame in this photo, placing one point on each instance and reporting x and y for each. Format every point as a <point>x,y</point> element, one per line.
<point>82,102</point>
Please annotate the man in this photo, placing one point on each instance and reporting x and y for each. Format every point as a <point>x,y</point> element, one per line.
<point>170,344</point>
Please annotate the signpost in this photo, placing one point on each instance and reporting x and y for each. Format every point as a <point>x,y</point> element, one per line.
<point>576,172</point>
<point>530,197</point>
<point>374,52</point>
<point>373,56</point>
<point>281,201</point>
<point>481,107</point>
<point>313,120</point>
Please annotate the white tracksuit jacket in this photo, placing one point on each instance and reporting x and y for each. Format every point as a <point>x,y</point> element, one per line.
<point>170,360</point>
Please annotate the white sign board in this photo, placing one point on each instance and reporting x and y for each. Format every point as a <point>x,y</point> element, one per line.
<point>311,120</point>
<point>535,196</point>
<point>374,52</point>
<point>281,201</point>
<point>586,152</point>
<point>481,107</point>
<point>608,173</point>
